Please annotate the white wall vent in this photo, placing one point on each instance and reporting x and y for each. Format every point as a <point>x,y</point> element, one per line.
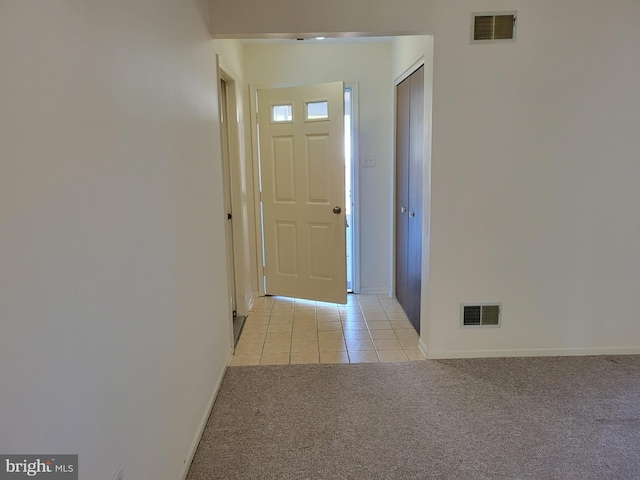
<point>480,314</point>
<point>493,27</point>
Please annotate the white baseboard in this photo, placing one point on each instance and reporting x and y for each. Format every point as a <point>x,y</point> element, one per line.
<point>205,418</point>
<point>374,290</point>
<point>423,348</point>
<point>532,352</point>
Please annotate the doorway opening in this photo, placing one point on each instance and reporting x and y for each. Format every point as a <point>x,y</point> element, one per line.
<point>237,325</point>
<point>409,216</point>
<point>351,207</point>
<point>301,150</point>
<point>229,141</point>
<point>349,146</point>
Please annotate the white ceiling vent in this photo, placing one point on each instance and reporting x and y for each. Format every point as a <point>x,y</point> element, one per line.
<point>480,314</point>
<point>493,27</point>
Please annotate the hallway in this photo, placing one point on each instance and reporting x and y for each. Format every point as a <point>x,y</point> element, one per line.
<point>369,329</point>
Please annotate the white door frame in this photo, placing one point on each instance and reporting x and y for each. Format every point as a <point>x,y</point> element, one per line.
<point>355,184</point>
<point>253,120</point>
<point>226,187</point>
<point>230,143</point>
<point>355,179</point>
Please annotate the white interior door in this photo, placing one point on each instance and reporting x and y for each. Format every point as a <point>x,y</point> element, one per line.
<point>301,136</point>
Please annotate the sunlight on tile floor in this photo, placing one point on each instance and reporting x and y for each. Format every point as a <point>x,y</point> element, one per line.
<point>282,330</point>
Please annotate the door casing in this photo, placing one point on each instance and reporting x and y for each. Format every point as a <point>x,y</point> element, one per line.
<point>233,181</point>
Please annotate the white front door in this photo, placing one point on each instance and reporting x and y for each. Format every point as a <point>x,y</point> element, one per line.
<point>301,135</point>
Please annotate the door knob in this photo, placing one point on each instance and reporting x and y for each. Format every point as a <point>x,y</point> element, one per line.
<point>412,214</point>
<point>403,209</point>
<point>337,210</point>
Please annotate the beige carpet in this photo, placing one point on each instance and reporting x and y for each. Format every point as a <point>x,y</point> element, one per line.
<point>537,418</point>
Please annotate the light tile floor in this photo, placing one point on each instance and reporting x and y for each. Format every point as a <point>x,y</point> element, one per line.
<point>282,330</point>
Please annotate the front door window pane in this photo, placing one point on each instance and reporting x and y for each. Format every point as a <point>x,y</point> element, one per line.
<point>317,110</point>
<point>281,113</point>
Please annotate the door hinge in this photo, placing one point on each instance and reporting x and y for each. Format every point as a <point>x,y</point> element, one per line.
<point>235,313</point>
<point>264,270</point>
<point>260,196</point>
<point>228,216</point>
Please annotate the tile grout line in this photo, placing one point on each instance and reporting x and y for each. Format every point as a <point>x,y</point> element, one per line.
<point>342,316</point>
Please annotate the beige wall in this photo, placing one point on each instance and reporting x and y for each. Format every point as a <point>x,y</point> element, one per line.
<point>115,327</point>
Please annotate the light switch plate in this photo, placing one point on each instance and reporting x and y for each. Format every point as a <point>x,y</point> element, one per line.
<point>368,160</point>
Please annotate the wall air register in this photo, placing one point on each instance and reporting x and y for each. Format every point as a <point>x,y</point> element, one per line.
<point>493,27</point>
<point>480,315</point>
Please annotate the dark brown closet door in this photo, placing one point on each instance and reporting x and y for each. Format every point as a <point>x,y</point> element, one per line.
<point>409,173</point>
<point>403,100</point>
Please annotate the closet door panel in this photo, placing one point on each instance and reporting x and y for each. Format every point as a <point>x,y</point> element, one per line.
<point>416,169</point>
<point>403,98</point>
<point>408,201</point>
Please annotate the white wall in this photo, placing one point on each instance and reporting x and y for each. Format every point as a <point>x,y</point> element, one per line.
<point>407,51</point>
<point>535,168</point>
<point>245,18</point>
<point>113,313</point>
<point>369,65</point>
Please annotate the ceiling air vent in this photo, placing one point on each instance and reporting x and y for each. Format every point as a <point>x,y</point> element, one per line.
<point>480,315</point>
<point>493,27</point>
